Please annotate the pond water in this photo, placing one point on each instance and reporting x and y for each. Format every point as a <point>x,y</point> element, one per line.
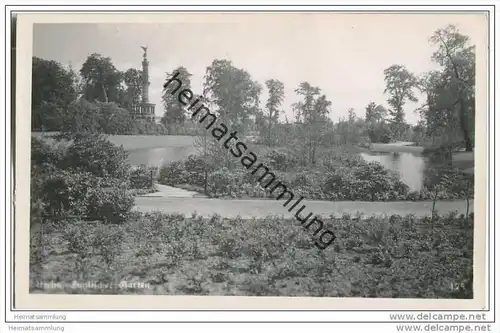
<point>159,156</point>
<point>411,167</point>
<point>159,150</point>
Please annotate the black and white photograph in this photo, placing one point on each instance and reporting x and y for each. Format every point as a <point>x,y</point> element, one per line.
<point>325,155</point>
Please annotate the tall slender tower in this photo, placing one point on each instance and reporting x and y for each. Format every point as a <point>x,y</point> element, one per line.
<point>145,77</point>
<point>145,110</point>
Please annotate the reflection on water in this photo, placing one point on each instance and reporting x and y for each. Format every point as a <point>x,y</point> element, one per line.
<point>159,156</point>
<point>410,167</point>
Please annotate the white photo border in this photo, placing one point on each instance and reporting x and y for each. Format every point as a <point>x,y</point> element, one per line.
<point>296,313</point>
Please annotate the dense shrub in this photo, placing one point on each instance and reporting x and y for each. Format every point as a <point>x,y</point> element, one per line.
<point>36,211</point>
<point>350,178</point>
<point>173,173</point>
<point>95,154</point>
<point>195,167</point>
<point>195,163</point>
<point>307,183</point>
<point>224,182</point>
<point>343,185</point>
<point>80,180</point>
<point>44,154</point>
<point>281,159</point>
<point>112,205</point>
<point>142,177</point>
<point>453,183</point>
<point>339,175</point>
<point>379,132</point>
<point>82,194</point>
<point>235,184</point>
<point>365,181</point>
<point>190,171</point>
<point>67,192</point>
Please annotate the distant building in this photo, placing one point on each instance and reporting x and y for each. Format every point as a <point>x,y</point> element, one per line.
<point>145,110</point>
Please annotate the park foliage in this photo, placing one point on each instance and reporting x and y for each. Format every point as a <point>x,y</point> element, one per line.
<point>339,176</point>
<point>390,257</point>
<point>99,98</point>
<point>83,176</point>
<point>82,187</point>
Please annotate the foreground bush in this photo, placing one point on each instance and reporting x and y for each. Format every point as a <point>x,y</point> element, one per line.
<point>233,184</point>
<point>190,171</point>
<point>452,183</point>
<point>42,154</point>
<point>339,176</point>
<point>111,205</point>
<point>82,194</point>
<point>66,193</point>
<point>95,154</point>
<point>360,180</point>
<point>281,159</point>
<point>390,257</point>
<point>80,181</point>
<point>174,173</point>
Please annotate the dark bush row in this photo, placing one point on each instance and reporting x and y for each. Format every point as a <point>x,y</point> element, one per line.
<point>87,177</point>
<point>338,177</point>
<point>91,153</point>
<point>191,171</point>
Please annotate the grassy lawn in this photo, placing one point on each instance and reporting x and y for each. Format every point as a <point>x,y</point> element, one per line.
<point>134,142</point>
<point>176,255</point>
<point>392,148</point>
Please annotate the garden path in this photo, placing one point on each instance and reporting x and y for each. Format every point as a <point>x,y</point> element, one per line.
<point>261,208</point>
<point>165,191</point>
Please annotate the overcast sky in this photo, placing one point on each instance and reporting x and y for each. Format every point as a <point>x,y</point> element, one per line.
<point>343,54</point>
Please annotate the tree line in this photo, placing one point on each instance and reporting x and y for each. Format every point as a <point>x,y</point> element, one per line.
<point>101,96</point>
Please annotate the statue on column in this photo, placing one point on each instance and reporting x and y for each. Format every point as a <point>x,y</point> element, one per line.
<point>145,48</point>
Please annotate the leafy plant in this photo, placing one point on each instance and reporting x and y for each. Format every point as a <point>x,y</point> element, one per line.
<point>96,155</point>
<point>282,159</point>
<point>112,205</point>
<point>142,177</point>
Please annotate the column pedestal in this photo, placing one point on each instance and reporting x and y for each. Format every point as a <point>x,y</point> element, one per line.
<point>144,111</point>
